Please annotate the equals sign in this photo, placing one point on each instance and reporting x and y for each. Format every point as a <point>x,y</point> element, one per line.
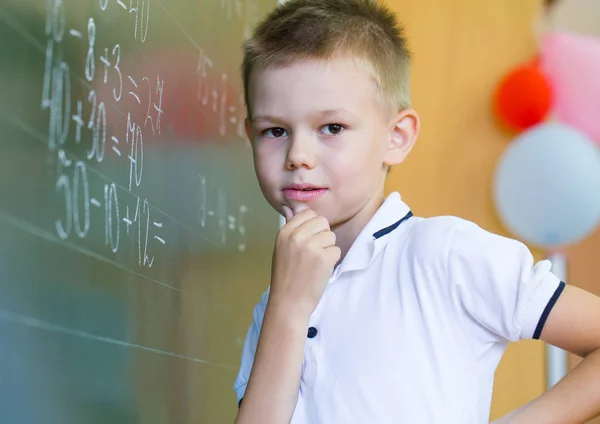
<point>115,149</point>
<point>232,222</point>
<point>131,92</point>
<point>159,239</point>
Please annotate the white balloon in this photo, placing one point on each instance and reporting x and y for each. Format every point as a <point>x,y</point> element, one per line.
<point>547,186</point>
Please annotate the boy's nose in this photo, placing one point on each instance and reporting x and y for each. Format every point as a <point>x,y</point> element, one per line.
<point>301,153</point>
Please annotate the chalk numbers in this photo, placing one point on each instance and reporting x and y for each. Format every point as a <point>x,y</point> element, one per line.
<point>81,139</point>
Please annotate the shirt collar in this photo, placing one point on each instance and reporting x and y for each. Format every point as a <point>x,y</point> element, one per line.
<point>373,238</point>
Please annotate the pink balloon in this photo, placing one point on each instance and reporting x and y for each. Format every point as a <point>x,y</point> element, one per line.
<point>572,64</point>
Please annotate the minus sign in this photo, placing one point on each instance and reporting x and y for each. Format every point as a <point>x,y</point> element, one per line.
<point>157,224</point>
<point>75,33</point>
<point>120,3</point>
<point>160,240</point>
<point>95,202</point>
<point>136,97</point>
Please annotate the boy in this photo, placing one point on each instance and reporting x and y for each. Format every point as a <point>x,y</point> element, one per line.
<point>373,315</point>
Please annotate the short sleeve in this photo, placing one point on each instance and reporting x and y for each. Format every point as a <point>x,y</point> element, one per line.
<point>497,285</point>
<point>250,347</point>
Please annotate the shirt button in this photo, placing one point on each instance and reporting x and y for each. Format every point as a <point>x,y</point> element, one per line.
<point>312,332</point>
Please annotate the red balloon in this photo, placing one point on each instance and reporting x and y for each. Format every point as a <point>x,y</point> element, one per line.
<point>523,97</point>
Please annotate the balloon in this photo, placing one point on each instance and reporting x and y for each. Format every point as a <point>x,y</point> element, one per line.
<point>547,186</point>
<point>523,98</point>
<point>572,63</point>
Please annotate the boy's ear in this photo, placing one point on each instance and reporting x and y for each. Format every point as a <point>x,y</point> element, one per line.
<point>248,127</point>
<point>404,131</point>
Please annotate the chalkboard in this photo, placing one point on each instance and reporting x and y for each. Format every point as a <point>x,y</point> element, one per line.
<point>134,240</point>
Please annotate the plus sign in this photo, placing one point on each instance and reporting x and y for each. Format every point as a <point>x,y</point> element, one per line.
<point>127,220</point>
<point>104,60</point>
<point>78,121</point>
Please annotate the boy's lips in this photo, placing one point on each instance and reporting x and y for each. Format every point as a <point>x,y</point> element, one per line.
<point>303,192</point>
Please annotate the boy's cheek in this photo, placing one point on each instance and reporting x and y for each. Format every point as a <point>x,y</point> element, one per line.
<point>268,179</point>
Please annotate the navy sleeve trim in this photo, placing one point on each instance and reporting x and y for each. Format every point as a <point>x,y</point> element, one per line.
<point>549,306</point>
<point>240,403</point>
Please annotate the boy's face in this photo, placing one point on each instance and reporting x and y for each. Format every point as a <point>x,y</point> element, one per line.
<point>322,138</point>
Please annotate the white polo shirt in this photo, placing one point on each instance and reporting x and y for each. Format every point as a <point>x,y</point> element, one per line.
<point>414,321</point>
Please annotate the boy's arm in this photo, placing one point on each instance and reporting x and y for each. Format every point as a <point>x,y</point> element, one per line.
<point>304,256</point>
<point>573,325</point>
<point>272,391</point>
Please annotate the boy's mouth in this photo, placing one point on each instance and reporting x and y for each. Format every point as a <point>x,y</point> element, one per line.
<point>303,192</point>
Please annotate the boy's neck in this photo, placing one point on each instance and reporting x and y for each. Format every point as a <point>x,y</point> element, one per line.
<point>347,231</point>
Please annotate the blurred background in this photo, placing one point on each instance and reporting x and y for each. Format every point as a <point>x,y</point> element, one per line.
<point>134,241</point>
<point>463,50</point>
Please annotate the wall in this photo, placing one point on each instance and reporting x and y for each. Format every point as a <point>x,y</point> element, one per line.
<point>461,49</point>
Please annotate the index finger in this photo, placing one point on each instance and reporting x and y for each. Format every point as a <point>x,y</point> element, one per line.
<point>300,218</point>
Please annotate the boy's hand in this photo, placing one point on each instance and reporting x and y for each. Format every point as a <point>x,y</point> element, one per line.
<point>303,260</point>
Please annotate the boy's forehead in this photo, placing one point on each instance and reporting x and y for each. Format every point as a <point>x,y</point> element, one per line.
<point>328,83</point>
<point>307,68</point>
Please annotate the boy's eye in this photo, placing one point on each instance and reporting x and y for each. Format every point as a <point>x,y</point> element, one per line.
<point>332,129</point>
<point>275,132</point>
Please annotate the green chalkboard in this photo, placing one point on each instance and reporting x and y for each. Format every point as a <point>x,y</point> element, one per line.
<point>134,240</point>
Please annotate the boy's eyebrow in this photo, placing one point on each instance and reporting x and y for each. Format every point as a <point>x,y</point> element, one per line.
<point>319,114</point>
<point>268,118</point>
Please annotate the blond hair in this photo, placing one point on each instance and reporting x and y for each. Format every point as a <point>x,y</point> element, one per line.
<point>323,29</point>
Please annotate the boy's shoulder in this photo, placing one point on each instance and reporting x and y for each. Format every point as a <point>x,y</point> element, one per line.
<point>450,237</point>
<point>439,226</point>
<point>437,232</point>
